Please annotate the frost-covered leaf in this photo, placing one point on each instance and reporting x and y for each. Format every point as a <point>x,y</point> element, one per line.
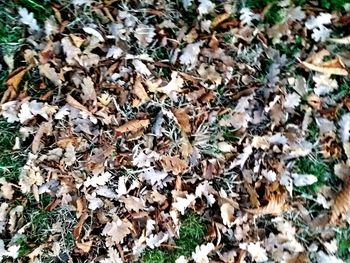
<point>94,32</point>
<point>257,252</point>
<point>247,16</point>
<point>154,177</point>
<point>242,158</point>
<point>292,100</point>
<point>324,84</point>
<point>316,24</point>
<point>205,6</point>
<point>141,68</point>
<point>200,255</point>
<point>181,203</point>
<point>303,179</point>
<point>154,241</point>
<point>173,87</point>
<point>322,257</point>
<point>344,124</point>
<point>28,19</point>
<point>189,56</point>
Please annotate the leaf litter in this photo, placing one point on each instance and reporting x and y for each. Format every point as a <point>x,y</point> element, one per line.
<point>154,111</point>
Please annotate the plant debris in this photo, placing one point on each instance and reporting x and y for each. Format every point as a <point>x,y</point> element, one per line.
<point>133,114</point>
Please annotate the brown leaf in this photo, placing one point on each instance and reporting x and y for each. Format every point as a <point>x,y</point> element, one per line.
<point>43,129</point>
<point>333,67</point>
<point>314,101</point>
<point>15,77</point>
<point>139,90</point>
<point>341,205</point>
<point>276,206</point>
<point>214,42</point>
<point>173,164</point>
<point>76,104</point>
<point>12,83</point>
<point>298,258</point>
<point>186,146</point>
<point>132,126</point>
<point>79,226</point>
<point>183,119</point>
<point>84,246</point>
<point>219,19</point>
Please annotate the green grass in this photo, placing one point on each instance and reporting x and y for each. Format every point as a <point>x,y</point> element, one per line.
<point>323,172</point>
<point>333,4</point>
<point>10,161</point>
<point>12,32</point>
<point>317,167</point>
<point>343,242</point>
<point>192,233</point>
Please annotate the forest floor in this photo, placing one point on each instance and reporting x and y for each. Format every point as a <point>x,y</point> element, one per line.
<point>175,131</point>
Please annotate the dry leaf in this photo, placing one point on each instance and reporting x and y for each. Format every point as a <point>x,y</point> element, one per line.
<point>219,19</point>
<point>343,40</point>
<point>227,214</point>
<point>84,246</point>
<point>133,126</point>
<point>276,206</point>
<point>341,205</point>
<point>78,228</point>
<point>183,119</point>
<point>76,104</point>
<point>333,67</point>
<point>173,164</point>
<point>12,83</point>
<point>139,90</point>
<point>50,73</point>
<point>44,128</point>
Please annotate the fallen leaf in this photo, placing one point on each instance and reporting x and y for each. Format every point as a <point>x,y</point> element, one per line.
<point>173,164</point>
<point>333,67</point>
<point>343,40</point>
<point>133,126</point>
<point>139,90</point>
<point>219,19</point>
<point>84,246</point>
<point>276,206</point>
<point>12,83</point>
<point>76,104</point>
<point>44,128</point>
<point>78,228</point>
<point>341,205</point>
<point>182,118</point>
